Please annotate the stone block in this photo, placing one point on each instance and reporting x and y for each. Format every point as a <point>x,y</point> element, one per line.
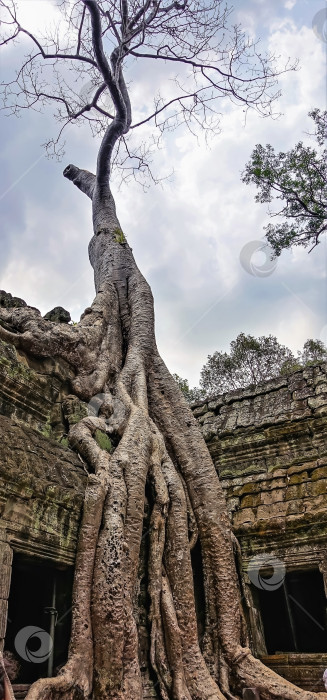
<point>216,404</point>
<point>316,506</point>
<point>3,617</point>
<point>298,468</point>
<point>320,473</point>
<point>200,410</point>
<point>5,578</point>
<point>244,516</point>
<point>275,510</point>
<point>322,411</point>
<point>274,496</point>
<point>317,401</point>
<point>322,387</point>
<point>208,417</point>
<point>6,555</point>
<point>250,501</point>
<point>248,488</point>
<point>295,508</point>
<point>303,393</point>
<point>298,478</point>
<point>229,421</point>
<point>296,492</point>
<point>319,487</point>
<point>308,373</point>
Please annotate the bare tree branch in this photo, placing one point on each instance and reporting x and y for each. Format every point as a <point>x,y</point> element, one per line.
<point>103,38</point>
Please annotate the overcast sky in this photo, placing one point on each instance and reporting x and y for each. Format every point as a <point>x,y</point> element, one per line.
<point>187,235</point>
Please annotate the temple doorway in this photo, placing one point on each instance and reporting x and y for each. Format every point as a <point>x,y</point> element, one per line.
<point>39,617</point>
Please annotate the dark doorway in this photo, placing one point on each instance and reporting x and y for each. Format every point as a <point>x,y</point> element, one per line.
<point>199,594</point>
<point>294,615</point>
<point>40,598</point>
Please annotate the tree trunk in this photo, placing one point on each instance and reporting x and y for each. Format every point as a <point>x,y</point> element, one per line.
<point>158,444</point>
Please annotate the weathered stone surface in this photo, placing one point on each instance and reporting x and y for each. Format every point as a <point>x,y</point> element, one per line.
<point>5,575</point>
<point>41,492</point>
<point>7,301</point>
<point>3,618</point>
<point>58,315</point>
<point>277,459</point>
<point>304,670</point>
<point>269,446</point>
<point>31,391</point>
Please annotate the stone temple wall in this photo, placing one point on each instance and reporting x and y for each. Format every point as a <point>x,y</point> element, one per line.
<point>41,481</point>
<point>42,485</point>
<point>269,446</point>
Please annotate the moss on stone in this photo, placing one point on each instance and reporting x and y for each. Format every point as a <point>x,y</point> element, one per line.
<point>77,416</point>
<point>103,440</point>
<point>46,429</point>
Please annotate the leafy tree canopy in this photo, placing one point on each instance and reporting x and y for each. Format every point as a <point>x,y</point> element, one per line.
<point>191,395</point>
<point>313,351</point>
<point>250,361</point>
<point>298,178</point>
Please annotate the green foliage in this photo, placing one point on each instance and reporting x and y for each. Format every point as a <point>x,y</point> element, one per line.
<point>250,361</point>
<point>313,351</point>
<point>297,178</point>
<point>253,360</point>
<point>119,235</point>
<point>191,395</point>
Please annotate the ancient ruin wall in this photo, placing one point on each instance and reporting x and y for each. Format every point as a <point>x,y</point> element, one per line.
<point>269,446</point>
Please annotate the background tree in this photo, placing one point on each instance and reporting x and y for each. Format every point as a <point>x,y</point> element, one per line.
<point>191,395</point>
<point>313,351</point>
<point>112,352</point>
<point>250,361</point>
<point>299,179</point>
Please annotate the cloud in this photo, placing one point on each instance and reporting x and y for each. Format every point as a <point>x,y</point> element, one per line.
<point>289,4</point>
<point>188,234</point>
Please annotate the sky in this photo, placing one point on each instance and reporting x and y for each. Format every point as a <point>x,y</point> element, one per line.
<point>190,234</point>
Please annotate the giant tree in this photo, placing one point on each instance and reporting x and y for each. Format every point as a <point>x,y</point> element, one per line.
<point>113,352</point>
